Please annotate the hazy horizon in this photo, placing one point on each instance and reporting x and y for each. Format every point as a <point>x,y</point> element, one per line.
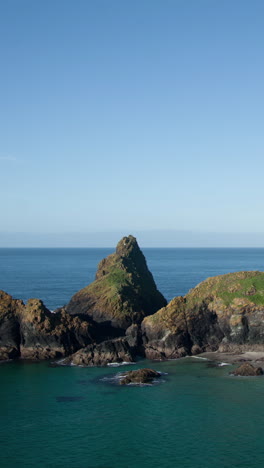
<point>158,239</point>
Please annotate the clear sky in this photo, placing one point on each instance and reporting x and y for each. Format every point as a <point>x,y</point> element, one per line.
<point>131,116</point>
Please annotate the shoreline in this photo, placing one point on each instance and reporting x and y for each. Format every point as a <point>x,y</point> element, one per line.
<point>254,357</point>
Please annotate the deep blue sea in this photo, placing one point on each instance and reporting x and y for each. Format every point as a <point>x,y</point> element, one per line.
<point>54,275</point>
<point>70,417</point>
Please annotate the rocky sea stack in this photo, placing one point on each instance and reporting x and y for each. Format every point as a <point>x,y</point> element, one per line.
<point>102,321</point>
<point>124,291</point>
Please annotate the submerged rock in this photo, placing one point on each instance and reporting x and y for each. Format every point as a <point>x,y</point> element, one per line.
<point>124,291</point>
<point>247,370</point>
<point>140,376</point>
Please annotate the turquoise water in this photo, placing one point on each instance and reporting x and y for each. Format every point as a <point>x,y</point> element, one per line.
<point>54,417</point>
<point>66,417</point>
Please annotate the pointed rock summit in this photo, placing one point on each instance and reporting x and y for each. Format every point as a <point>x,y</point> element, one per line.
<point>124,291</point>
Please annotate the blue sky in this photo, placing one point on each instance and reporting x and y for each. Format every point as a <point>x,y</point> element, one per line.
<point>131,116</point>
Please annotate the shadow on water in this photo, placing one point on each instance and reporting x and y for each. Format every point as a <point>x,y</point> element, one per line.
<point>67,399</point>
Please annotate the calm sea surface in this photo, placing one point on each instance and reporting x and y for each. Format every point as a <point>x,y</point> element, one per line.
<point>56,417</point>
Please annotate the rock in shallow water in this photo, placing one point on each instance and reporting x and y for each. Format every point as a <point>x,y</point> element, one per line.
<point>247,370</point>
<point>140,376</point>
<point>101,354</point>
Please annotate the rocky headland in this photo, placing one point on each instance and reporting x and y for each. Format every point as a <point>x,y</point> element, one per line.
<point>222,314</point>
<point>122,314</point>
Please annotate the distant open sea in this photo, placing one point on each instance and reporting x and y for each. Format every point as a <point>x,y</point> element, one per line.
<point>71,417</point>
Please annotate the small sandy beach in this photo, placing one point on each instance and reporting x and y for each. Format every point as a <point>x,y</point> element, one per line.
<point>255,357</point>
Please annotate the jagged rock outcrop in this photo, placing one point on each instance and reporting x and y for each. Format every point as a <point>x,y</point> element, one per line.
<point>101,354</point>
<point>31,331</point>
<point>247,370</point>
<point>175,331</point>
<point>224,313</point>
<point>124,291</point>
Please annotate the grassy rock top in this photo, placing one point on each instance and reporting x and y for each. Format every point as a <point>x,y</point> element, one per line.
<point>245,286</point>
<point>225,312</point>
<point>223,293</point>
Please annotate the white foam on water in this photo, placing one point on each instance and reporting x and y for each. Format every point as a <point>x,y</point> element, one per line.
<point>137,384</point>
<point>199,357</point>
<point>60,362</point>
<point>113,378</point>
<point>118,364</point>
<point>224,364</point>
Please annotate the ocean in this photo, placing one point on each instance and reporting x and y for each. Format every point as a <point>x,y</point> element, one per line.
<point>196,417</point>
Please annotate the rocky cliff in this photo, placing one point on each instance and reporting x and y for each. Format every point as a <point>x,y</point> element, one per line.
<point>224,313</point>
<point>124,291</point>
<point>9,326</point>
<point>31,331</point>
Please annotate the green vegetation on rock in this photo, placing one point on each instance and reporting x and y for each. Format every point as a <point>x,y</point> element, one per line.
<point>223,313</point>
<point>124,291</point>
<point>245,285</point>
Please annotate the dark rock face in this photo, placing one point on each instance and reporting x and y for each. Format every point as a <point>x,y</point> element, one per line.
<point>31,331</point>
<point>9,327</point>
<point>175,332</point>
<point>101,354</point>
<point>224,313</point>
<point>124,291</point>
<point>140,376</point>
<point>46,335</point>
<point>247,370</point>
